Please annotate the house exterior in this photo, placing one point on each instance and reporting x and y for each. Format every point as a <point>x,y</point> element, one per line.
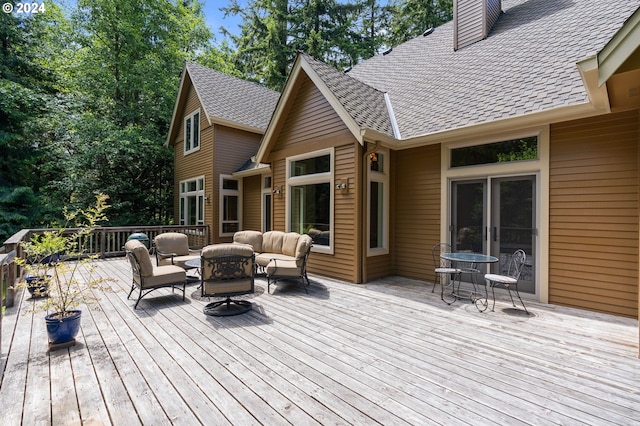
<point>516,125</point>
<point>218,122</point>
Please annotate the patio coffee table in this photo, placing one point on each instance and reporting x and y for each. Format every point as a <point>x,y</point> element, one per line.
<point>473,259</point>
<point>193,264</point>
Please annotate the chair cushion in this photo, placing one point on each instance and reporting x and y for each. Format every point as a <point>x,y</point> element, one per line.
<point>447,270</point>
<point>263,259</point>
<point>502,279</point>
<point>283,268</point>
<point>173,242</point>
<point>163,275</point>
<point>142,255</point>
<point>290,243</point>
<point>253,238</point>
<point>272,242</point>
<point>227,287</point>
<point>302,248</point>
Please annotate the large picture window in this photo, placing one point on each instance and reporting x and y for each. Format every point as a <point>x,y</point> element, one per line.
<point>378,207</point>
<point>310,199</point>
<point>192,201</point>
<point>230,205</point>
<point>192,132</point>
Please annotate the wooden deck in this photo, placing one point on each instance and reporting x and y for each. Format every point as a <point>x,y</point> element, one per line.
<point>387,352</point>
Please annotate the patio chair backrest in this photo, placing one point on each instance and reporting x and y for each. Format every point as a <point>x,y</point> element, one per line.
<point>436,251</point>
<point>173,242</point>
<point>516,264</point>
<point>139,258</point>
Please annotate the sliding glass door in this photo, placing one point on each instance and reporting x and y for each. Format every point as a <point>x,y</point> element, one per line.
<point>496,216</point>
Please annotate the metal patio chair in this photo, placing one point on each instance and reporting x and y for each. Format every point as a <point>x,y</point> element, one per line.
<point>446,274</point>
<point>510,279</point>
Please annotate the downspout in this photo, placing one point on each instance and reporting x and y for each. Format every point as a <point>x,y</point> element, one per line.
<point>362,270</point>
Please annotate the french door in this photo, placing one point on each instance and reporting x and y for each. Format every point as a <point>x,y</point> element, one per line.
<point>496,216</point>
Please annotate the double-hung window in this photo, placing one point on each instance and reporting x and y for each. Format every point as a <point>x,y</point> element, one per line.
<point>310,197</point>
<point>230,205</point>
<point>192,201</point>
<point>378,207</point>
<point>192,132</point>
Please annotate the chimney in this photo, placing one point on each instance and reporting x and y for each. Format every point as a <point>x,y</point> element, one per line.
<point>473,19</point>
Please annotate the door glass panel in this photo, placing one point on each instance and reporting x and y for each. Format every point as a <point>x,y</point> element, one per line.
<point>514,225</point>
<point>468,216</point>
<point>496,216</point>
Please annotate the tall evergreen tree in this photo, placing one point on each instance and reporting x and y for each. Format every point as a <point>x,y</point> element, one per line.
<point>126,78</point>
<point>29,87</point>
<point>411,18</point>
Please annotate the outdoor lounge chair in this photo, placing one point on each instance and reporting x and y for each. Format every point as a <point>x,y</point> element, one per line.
<point>148,277</point>
<point>510,280</point>
<point>227,270</point>
<point>172,248</point>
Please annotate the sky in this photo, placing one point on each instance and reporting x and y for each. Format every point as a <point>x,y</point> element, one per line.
<point>214,17</point>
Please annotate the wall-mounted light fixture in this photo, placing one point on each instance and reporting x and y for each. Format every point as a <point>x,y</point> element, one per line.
<point>276,191</point>
<point>342,185</point>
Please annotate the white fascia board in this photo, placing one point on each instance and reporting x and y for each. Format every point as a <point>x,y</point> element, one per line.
<point>619,48</point>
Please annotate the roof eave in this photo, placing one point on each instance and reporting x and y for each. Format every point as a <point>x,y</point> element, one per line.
<point>236,125</point>
<point>598,94</point>
<point>277,114</point>
<point>505,125</point>
<point>619,48</point>
<point>348,120</point>
<point>260,170</point>
<point>179,100</point>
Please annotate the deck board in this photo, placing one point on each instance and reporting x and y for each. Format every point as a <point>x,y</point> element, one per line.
<point>387,352</point>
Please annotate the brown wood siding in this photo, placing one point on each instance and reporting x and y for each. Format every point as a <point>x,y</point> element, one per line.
<point>494,10</point>
<point>342,263</point>
<point>198,163</point>
<point>311,119</point>
<point>312,124</point>
<point>469,24</point>
<point>252,203</point>
<point>233,148</point>
<point>416,210</point>
<point>279,182</point>
<point>593,217</point>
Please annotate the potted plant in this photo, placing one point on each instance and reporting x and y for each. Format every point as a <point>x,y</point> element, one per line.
<point>40,252</point>
<point>72,276</point>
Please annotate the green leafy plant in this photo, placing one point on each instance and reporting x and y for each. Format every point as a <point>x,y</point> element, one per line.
<point>39,255</point>
<point>71,276</point>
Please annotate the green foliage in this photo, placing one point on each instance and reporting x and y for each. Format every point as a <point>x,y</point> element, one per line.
<point>410,18</point>
<point>70,282</point>
<point>86,97</point>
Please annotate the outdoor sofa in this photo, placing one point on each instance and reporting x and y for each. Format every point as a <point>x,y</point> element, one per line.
<point>281,255</point>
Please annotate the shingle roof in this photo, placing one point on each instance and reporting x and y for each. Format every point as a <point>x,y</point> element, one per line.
<point>232,99</point>
<point>365,104</point>
<point>526,65</point>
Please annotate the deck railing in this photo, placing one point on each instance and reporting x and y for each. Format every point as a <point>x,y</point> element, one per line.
<point>103,241</point>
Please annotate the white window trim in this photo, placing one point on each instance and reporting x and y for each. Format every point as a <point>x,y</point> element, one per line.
<point>224,192</point>
<point>190,142</point>
<point>265,191</point>
<point>539,167</point>
<point>183,195</point>
<point>309,180</point>
<point>381,177</point>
